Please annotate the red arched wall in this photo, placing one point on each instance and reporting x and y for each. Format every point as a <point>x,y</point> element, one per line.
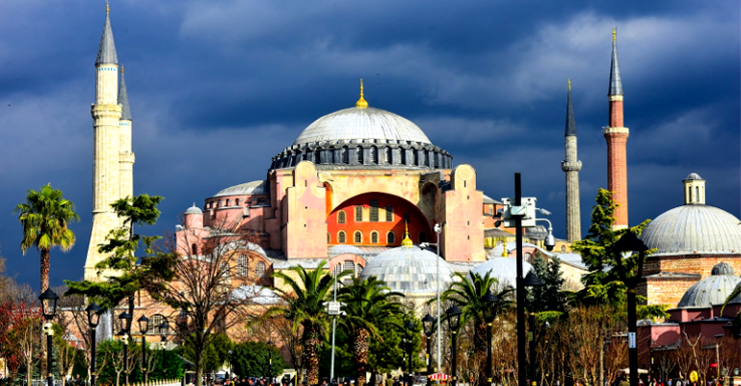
<point>417,221</point>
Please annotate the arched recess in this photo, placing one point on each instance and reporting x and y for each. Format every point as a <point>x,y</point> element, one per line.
<point>418,222</point>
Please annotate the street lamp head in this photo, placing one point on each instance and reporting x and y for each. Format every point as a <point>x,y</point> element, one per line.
<point>454,317</point>
<point>49,303</point>
<point>630,242</point>
<point>164,328</point>
<point>427,322</point>
<point>125,319</point>
<point>409,326</point>
<point>489,299</point>
<point>93,314</point>
<point>143,324</point>
<point>532,280</point>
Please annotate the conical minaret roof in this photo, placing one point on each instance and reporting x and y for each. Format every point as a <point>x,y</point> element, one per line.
<point>570,121</point>
<point>123,99</point>
<point>616,84</point>
<point>107,48</point>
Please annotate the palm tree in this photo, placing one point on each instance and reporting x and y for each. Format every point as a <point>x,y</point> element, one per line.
<point>370,306</point>
<point>304,296</point>
<point>468,293</point>
<point>44,217</point>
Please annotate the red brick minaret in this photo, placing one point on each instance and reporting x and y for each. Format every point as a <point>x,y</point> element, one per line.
<point>616,136</point>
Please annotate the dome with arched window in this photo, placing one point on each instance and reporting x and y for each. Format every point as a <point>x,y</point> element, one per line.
<point>409,270</point>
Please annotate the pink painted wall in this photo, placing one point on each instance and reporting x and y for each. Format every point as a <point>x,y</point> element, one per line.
<point>463,236</point>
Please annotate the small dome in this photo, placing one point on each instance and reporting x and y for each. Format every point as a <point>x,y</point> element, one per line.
<point>256,294</point>
<point>358,124</point>
<point>711,290</point>
<point>259,187</point>
<point>722,268</point>
<point>409,270</point>
<point>690,229</point>
<point>502,268</point>
<point>341,249</point>
<point>194,210</point>
<point>693,176</point>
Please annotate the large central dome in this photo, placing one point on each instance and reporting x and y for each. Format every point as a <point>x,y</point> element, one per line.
<point>362,124</point>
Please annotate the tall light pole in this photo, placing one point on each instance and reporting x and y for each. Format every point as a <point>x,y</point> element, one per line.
<point>49,310</point>
<point>143,328</point>
<point>454,315</point>
<point>629,242</point>
<point>438,229</point>
<point>489,301</point>
<point>334,310</point>
<point>125,318</point>
<point>532,280</point>
<point>427,322</point>
<point>93,318</point>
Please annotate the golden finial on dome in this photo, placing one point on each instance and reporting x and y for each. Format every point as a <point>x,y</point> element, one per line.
<point>107,8</point>
<point>407,242</point>
<point>614,31</point>
<point>361,103</point>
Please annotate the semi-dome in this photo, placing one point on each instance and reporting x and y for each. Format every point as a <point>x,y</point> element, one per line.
<point>691,229</point>
<point>409,270</point>
<point>502,268</point>
<point>358,124</point>
<point>712,290</point>
<point>259,187</point>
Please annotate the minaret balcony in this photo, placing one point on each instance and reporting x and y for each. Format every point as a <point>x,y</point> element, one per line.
<point>571,166</point>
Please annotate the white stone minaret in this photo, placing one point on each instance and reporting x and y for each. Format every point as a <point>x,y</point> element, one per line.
<point>571,166</point>
<point>125,155</point>
<point>106,114</point>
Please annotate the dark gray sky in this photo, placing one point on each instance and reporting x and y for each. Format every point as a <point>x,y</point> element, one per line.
<point>219,87</point>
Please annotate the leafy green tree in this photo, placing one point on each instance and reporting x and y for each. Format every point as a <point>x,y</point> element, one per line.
<point>45,215</point>
<point>304,307</point>
<point>121,247</point>
<point>369,306</point>
<point>216,352</point>
<point>468,293</point>
<point>549,297</point>
<point>252,359</point>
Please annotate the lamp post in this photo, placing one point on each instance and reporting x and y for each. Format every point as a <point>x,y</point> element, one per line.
<point>143,329</point>
<point>270,361</point>
<point>410,346</point>
<point>164,329</point>
<point>532,280</point>
<point>125,318</point>
<point>427,323</point>
<point>49,309</point>
<point>490,313</point>
<point>93,318</point>
<point>454,317</point>
<point>629,242</point>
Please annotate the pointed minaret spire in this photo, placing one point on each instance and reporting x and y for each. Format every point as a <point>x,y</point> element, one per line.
<point>616,84</point>
<point>616,135</point>
<point>571,166</point>
<point>123,98</point>
<point>107,48</point>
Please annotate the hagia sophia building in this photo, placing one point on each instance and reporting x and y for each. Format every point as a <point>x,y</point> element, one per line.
<point>366,189</point>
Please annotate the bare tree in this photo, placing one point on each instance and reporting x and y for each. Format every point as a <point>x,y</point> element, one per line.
<point>209,290</point>
<point>683,356</point>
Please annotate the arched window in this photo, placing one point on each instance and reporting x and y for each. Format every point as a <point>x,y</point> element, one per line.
<point>358,213</point>
<point>388,155</point>
<point>329,238</point>
<point>373,217</point>
<point>358,237</point>
<point>243,267</point>
<point>373,155</point>
<point>374,237</point>
<point>345,155</point>
<point>697,194</point>
<point>260,270</point>
<point>341,237</point>
<point>359,154</point>
<point>415,156</point>
<point>528,257</point>
<point>423,237</point>
<point>389,213</point>
<point>341,217</point>
<point>154,324</point>
<point>348,265</point>
<point>317,156</point>
<point>689,194</point>
<point>194,249</point>
<point>391,238</point>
